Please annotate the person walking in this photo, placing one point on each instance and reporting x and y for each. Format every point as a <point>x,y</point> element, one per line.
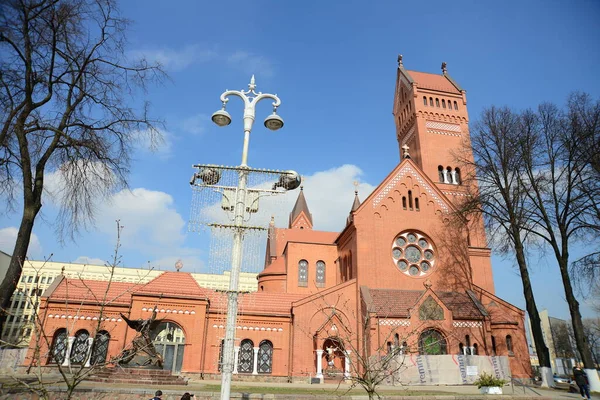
<point>581,380</point>
<point>157,395</point>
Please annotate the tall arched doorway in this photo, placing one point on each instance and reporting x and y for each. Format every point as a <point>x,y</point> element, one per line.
<point>169,341</point>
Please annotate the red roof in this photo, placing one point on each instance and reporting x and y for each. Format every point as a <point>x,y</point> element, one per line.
<point>278,303</point>
<point>397,303</point>
<point>174,283</point>
<point>79,290</point>
<point>433,81</point>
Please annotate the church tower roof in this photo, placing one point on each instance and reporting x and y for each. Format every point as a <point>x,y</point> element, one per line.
<point>300,217</point>
<point>355,206</point>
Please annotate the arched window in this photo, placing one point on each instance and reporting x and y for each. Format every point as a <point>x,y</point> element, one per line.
<point>389,344</point>
<point>441,173</point>
<point>493,346</point>
<point>396,340</point>
<point>457,176</point>
<point>475,349</point>
<point>443,103</point>
<point>265,357</point>
<point>461,349</point>
<point>431,101</point>
<point>320,273</point>
<point>509,345</point>
<point>417,203</point>
<point>303,273</point>
<point>79,349</point>
<point>59,347</point>
<point>468,345</point>
<point>410,200</point>
<point>437,102</point>
<point>432,342</point>
<point>246,357</point>
<point>100,348</point>
<point>455,106</point>
<point>404,348</point>
<point>404,202</point>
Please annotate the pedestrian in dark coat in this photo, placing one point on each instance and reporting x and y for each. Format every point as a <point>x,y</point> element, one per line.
<point>582,381</point>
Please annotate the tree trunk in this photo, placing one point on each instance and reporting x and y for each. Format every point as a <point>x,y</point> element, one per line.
<point>30,209</point>
<point>534,316</point>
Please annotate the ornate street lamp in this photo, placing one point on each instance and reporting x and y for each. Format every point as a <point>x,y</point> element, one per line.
<point>239,202</point>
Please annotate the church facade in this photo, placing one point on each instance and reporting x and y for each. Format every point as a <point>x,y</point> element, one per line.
<point>403,276</point>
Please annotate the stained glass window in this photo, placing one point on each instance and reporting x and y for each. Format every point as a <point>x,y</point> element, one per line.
<point>100,348</point>
<point>413,253</point>
<point>265,357</point>
<point>431,342</point>
<point>59,347</point>
<point>302,273</point>
<point>246,357</point>
<point>220,366</point>
<point>320,273</point>
<point>79,348</point>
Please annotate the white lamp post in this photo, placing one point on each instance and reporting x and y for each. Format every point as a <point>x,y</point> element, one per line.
<point>222,118</point>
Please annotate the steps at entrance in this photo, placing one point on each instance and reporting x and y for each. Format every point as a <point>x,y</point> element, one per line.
<point>140,376</point>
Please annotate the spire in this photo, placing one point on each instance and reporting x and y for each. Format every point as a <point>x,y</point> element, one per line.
<point>301,208</point>
<point>355,204</point>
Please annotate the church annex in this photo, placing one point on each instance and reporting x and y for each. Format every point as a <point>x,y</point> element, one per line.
<point>401,276</point>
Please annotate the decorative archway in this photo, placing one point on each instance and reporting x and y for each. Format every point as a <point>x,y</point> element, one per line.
<point>169,341</point>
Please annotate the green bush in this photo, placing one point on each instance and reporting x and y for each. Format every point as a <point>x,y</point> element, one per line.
<point>488,380</point>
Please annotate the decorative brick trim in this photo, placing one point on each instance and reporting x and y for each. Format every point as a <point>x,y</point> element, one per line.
<point>394,322</point>
<point>456,194</point>
<point>443,126</point>
<point>408,136</point>
<point>407,170</point>
<point>251,328</point>
<point>467,324</point>
<point>169,311</point>
<point>83,317</point>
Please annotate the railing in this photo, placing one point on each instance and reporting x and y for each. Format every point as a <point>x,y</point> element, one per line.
<point>515,382</point>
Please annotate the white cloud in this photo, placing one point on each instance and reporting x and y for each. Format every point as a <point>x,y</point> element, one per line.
<point>251,63</point>
<point>195,124</point>
<point>150,222</point>
<point>89,260</point>
<point>176,59</point>
<point>329,195</point>
<point>8,238</point>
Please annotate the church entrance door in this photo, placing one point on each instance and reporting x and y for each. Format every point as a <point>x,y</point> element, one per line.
<point>169,341</point>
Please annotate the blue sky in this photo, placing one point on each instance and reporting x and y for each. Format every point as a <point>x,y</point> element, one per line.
<point>333,64</point>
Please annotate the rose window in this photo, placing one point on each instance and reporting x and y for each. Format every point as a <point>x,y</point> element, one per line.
<point>413,254</point>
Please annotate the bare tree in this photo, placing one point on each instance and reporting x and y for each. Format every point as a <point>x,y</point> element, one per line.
<point>556,175</point>
<point>39,378</point>
<point>65,84</point>
<point>501,199</point>
<point>591,327</point>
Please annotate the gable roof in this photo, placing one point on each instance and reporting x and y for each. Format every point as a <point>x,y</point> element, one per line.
<point>397,303</point>
<point>180,284</point>
<point>408,168</point>
<point>437,82</point>
<point>300,207</point>
<point>78,291</point>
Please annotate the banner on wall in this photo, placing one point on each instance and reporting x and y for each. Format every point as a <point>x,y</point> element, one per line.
<point>447,369</point>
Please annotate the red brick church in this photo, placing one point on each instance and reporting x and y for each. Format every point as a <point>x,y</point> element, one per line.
<point>402,274</point>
